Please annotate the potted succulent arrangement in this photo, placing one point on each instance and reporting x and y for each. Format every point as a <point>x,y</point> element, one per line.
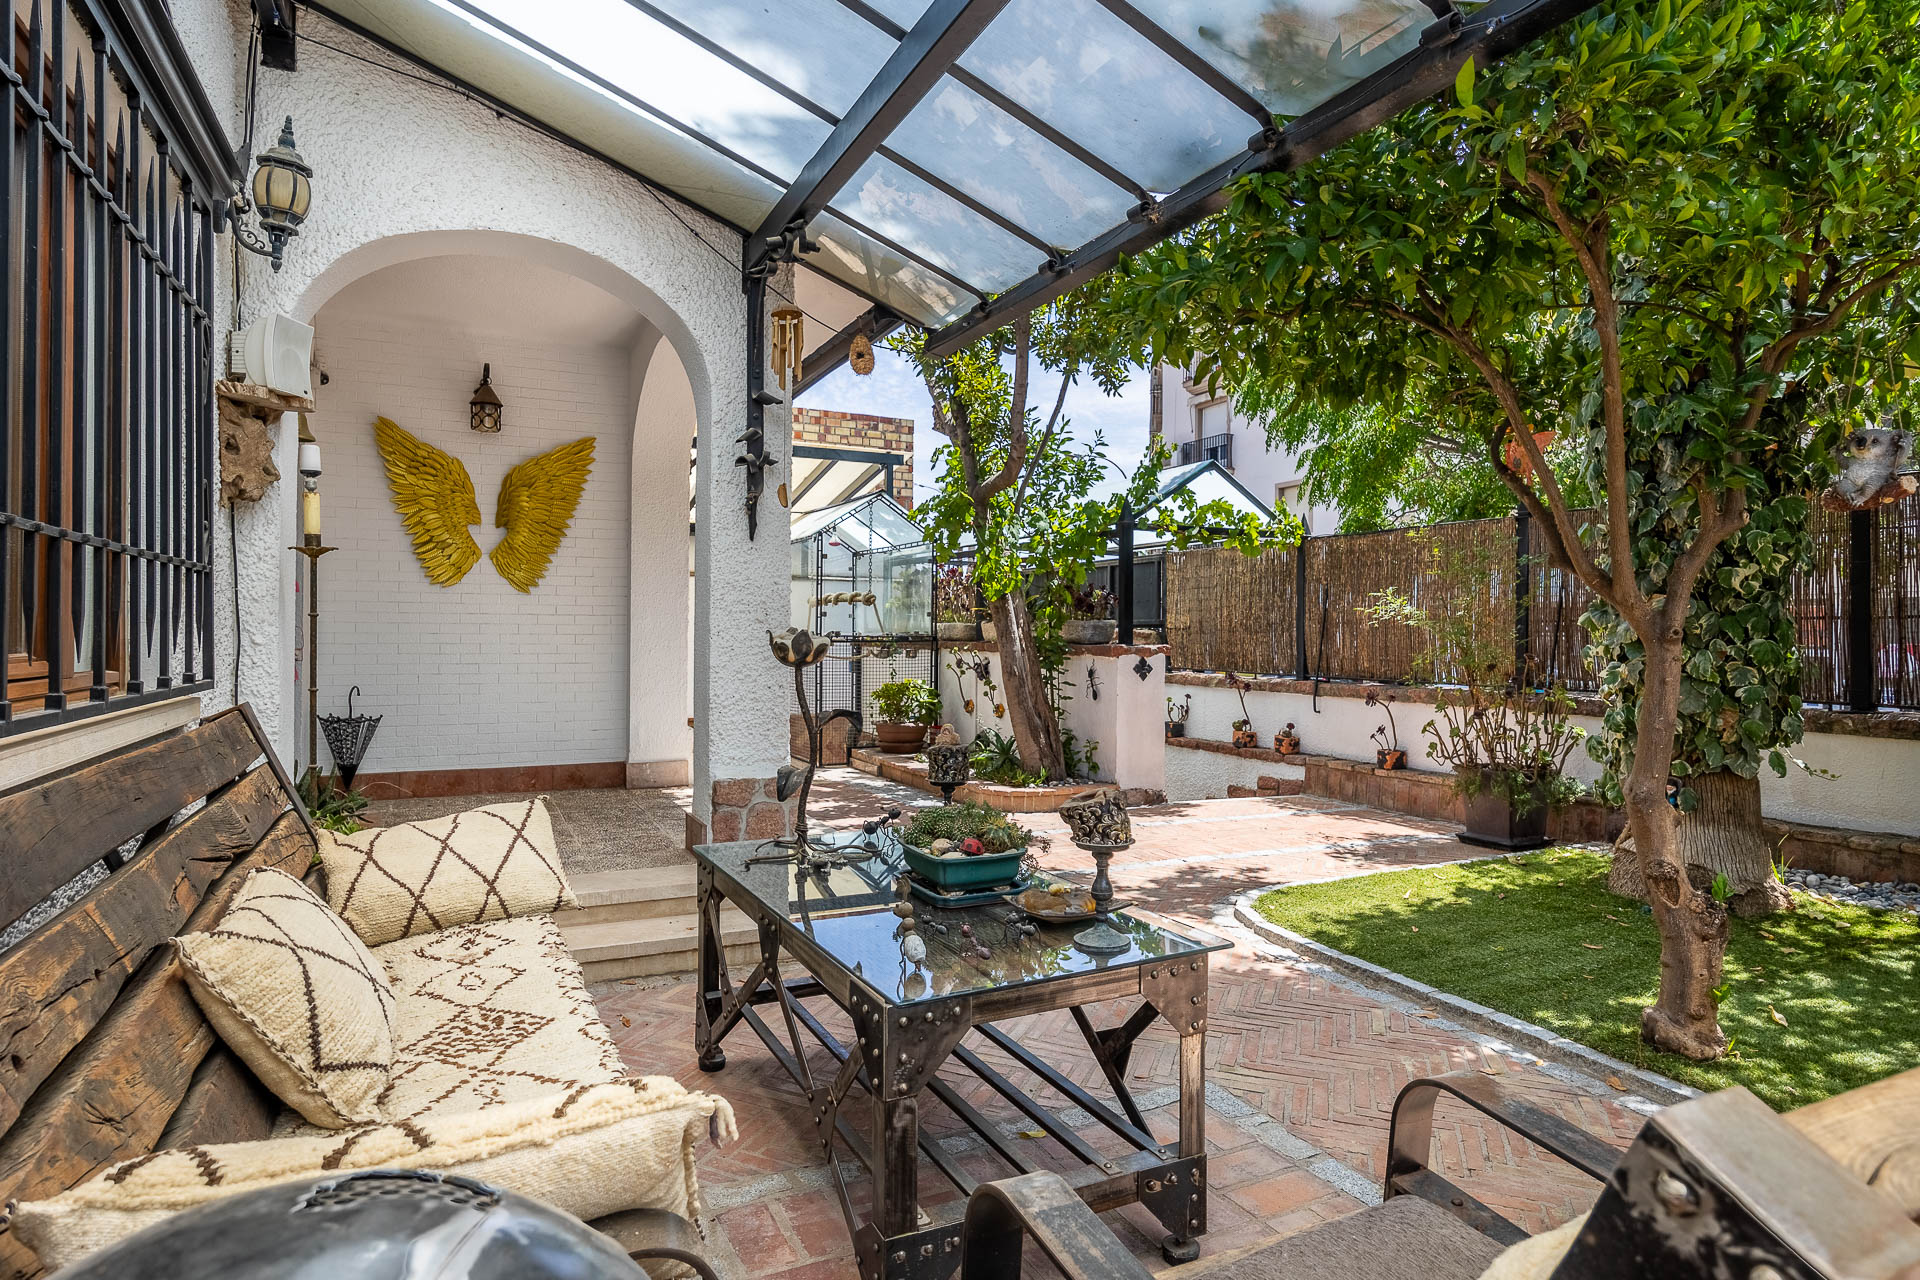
<point>1090,617</point>
<point>1177,713</point>
<point>1287,741</point>
<point>1386,738</point>
<point>956,609</point>
<point>906,709</point>
<point>964,847</point>
<point>1243,734</point>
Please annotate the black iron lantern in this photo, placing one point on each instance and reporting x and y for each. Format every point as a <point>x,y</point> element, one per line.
<point>282,193</point>
<point>484,409</point>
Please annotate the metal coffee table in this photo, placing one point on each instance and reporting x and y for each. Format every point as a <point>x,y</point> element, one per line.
<point>834,933</point>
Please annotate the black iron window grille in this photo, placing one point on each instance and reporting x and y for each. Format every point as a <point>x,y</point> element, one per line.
<point>107,467</point>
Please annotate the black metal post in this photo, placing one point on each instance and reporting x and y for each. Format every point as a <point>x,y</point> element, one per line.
<point>1522,596</point>
<point>754,439</point>
<point>1300,607</point>
<point>1862,691</point>
<point>1123,577</point>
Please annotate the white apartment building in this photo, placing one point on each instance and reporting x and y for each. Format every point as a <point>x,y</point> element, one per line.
<point>1202,425</point>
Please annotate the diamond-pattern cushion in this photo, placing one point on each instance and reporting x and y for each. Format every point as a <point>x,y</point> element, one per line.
<point>420,877</point>
<point>297,996</point>
<point>487,1015</point>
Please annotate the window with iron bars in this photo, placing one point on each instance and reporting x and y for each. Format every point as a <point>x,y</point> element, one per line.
<point>107,467</point>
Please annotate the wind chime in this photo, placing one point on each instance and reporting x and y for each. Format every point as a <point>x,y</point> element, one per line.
<point>789,341</point>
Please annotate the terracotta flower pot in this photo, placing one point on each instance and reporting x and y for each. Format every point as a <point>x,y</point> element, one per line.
<point>906,738</point>
<point>1384,759</point>
<point>1245,738</point>
<point>1286,746</point>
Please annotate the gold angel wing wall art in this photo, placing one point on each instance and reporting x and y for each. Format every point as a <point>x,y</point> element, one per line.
<point>537,502</point>
<point>434,495</point>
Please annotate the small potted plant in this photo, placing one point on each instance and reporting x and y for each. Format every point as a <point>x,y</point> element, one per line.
<point>1089,617</point>
<point>1386,739</point>
<point>956,614</point>
<point>1243,734</point>
<point>1287,741</point>
<point>1177,713</point>
<point>906,708</point>
<point>964,846</point>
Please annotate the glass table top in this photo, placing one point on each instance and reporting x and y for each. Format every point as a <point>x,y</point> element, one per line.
<point>848,912</point>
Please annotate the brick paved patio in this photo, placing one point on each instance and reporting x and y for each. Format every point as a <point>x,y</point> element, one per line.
<point>1302,1066</point>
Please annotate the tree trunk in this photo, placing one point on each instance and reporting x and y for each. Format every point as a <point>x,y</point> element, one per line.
<point>1685,1018</point>
<point>1723,836</point>
<point>1035,728</point>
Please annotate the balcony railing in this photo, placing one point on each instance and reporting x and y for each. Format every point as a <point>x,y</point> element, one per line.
<point>1217,448</point>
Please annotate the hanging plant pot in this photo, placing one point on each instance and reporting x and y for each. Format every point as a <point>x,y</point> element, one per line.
<point>1503,819</point>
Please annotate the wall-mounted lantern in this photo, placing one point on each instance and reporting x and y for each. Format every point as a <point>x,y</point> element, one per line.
<point>484,409</point>
<point>282,193</point>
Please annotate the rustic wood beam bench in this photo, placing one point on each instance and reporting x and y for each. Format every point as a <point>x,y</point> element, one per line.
<point>104,1055</point>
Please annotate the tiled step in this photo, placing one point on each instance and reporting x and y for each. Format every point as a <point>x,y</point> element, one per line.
<point>652,945</point>
<point>649,892</point>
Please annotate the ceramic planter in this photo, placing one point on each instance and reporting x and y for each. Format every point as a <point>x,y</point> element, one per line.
<point>1176,728</point>
<point>1492,822</point>
<point>957,630</point>
<point>1088,631</point>
<point>1245,738</point>
<point>956,871</point>
<point>906,738</point>
<point>1286,746</point>
<point>1385,759</point>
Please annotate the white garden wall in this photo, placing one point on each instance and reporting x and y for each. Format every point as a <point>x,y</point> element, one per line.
<point>1125,719</point>
<point>1875,789</point>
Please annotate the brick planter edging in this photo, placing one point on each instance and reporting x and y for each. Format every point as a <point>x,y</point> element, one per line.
<point>911,773</point>
<point>1536,1039</point>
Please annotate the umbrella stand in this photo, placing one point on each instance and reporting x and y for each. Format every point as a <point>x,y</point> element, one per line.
<point>348,737</point>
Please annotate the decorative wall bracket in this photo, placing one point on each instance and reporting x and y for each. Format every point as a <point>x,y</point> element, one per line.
<point>246,450</point>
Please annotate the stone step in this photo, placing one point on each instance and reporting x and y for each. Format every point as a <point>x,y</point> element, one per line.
<point>654,945</point>
<point>645,893</point>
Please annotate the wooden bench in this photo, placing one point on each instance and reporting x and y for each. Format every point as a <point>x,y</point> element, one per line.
<point>104,1054</point>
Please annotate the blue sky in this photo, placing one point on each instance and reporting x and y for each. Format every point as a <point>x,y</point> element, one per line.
<point>893,390</point>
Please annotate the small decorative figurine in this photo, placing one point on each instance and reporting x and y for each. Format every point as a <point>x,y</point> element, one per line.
<point>800,649</point>
<point>947,764</point>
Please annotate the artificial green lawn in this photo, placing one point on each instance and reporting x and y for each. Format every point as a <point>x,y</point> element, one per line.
<point>1539,937</point>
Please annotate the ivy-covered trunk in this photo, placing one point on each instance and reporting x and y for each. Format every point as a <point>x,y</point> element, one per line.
<point>1723,836</point>
<point>1685,1018</point>
<point>1035,727</point>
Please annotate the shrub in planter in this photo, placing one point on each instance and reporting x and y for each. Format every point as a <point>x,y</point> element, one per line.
<point>906,709</point>
<point>1287,741</point>
<point>1508,749</point>
<point>1177,713</point>
<point>1089,617</point>
<point>1243,734</point>
<point>956,603</point>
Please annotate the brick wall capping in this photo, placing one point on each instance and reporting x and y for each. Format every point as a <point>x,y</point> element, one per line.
<point>1863,724</point>
<point>1078,650</point>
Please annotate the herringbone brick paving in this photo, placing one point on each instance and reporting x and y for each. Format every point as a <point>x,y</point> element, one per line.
<point>1302,1068</point>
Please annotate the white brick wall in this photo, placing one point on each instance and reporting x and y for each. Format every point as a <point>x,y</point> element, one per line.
<point>475,675</point>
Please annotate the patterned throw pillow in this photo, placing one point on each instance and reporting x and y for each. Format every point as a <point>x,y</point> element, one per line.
<point>421,877</point>
<point>298,997</point>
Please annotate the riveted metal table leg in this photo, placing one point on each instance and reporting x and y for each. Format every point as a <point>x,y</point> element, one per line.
<point>714,987</point>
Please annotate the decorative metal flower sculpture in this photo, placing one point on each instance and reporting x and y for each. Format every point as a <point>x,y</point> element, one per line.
<point>798,648</point>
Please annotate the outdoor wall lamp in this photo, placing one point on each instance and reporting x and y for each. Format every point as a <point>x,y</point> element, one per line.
<point>282,191</point>
<point>484,409</point>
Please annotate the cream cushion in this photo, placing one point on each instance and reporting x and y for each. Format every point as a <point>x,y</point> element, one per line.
<point>419,877</point>
<point>287,985</point>
<point>591,1150</point>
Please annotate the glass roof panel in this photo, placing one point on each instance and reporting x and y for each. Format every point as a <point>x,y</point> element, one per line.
<point>1101,83</point>
<point>819,48</point>
<point>1005,165</point>
<point>617,42</point>
<point>886,277</point>
<point>904,12</point>
<point>1293,54</point>
<point>920,217</point>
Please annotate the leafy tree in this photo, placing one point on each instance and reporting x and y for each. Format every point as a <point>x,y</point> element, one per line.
<point>1019,492</point>
<point>1657,231</point>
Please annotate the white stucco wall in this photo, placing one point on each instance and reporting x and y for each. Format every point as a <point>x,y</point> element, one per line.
<point>1874,790</point>
<point>1125,720</point>
<point>660,601</point>
<point>477,674</point>
<point>404,170</point>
